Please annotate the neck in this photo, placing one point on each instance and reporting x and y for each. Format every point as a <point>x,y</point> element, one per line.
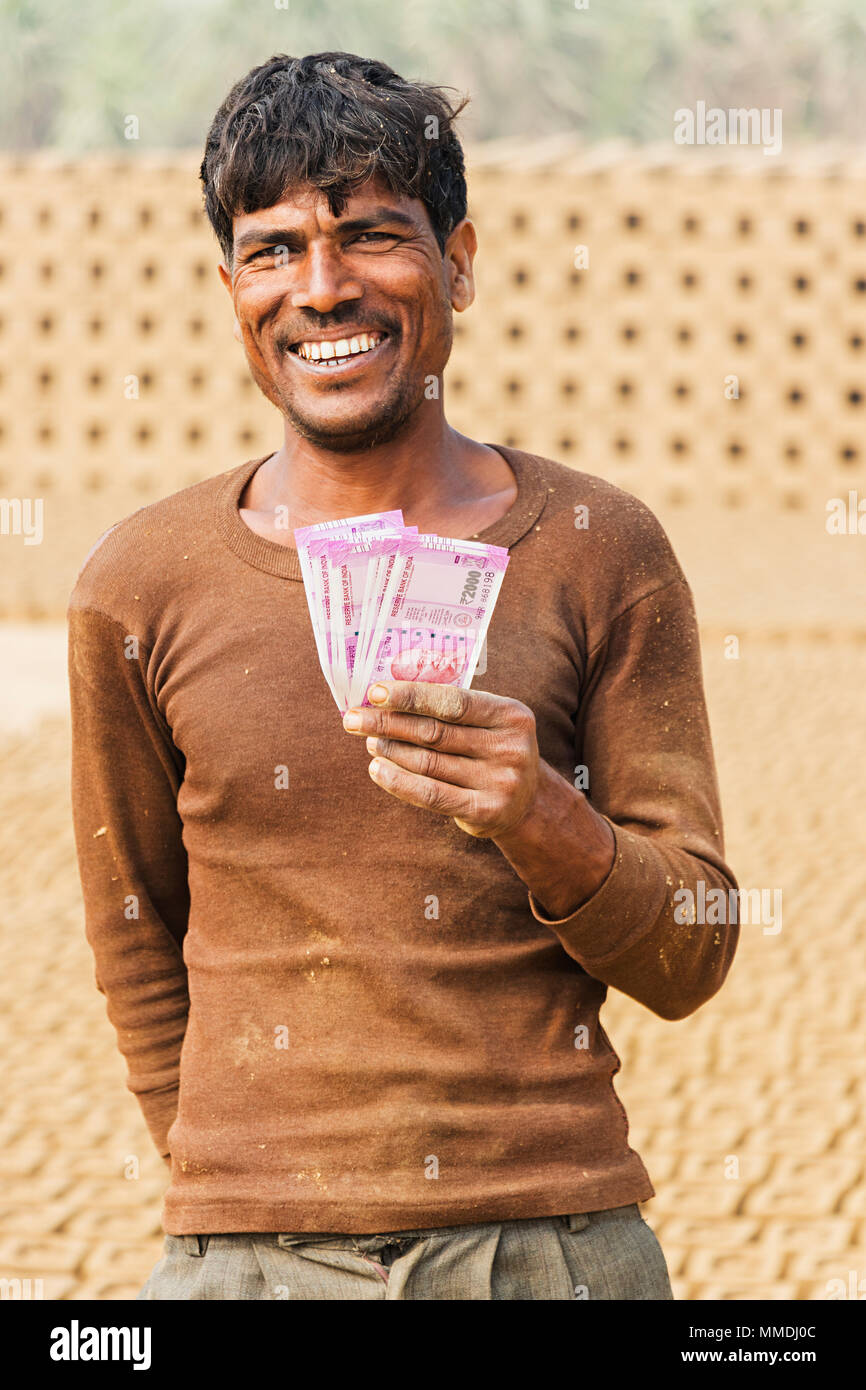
<point>427,469</point>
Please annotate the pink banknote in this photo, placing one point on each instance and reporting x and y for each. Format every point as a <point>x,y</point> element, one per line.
<point>387,603</point>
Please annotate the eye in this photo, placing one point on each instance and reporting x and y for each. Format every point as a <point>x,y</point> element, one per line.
<point>271,251</point>
<point>380,236</point>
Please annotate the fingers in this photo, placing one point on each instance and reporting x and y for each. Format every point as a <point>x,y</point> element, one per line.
<point>426,762</point>
<point>446,702</point>
<point>427,793</point>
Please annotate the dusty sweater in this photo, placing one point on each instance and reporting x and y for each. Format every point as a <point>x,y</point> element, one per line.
<point>340,1012</point>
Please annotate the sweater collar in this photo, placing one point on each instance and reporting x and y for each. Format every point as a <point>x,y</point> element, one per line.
<point>282,560</point>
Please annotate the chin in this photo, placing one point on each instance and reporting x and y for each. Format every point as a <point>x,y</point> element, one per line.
<point>349,436</point>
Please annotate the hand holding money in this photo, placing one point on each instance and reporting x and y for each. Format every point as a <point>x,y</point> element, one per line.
<point>463,753</point>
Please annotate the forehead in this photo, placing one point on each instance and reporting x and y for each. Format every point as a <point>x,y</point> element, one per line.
<point>304,205</point>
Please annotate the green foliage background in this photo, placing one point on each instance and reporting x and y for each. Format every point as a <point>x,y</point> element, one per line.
<point>71,72</point>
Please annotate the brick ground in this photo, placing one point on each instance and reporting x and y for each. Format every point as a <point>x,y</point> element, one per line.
<point>749,1115</point>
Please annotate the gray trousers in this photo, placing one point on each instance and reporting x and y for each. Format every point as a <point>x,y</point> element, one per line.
<point>610,1254</point>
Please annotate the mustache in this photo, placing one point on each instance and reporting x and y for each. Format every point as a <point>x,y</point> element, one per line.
<point>323,323</point>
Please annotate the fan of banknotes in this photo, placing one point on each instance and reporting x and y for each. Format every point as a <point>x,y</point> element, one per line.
<point>387,603</point>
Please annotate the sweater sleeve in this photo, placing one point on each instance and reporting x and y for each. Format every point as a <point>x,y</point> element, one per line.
<point>125,775</point>
<point>643,734</point>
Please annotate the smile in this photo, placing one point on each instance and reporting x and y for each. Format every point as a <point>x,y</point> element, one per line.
<point>337,353</point>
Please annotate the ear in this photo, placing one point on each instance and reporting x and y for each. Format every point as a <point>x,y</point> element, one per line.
<point>226,278</point>
<point>460,249</point>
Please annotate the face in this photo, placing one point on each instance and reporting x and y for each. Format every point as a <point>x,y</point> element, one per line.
<point>344,320</point>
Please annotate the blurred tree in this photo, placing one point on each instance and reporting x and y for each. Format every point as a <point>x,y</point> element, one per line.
<point>71,75</point>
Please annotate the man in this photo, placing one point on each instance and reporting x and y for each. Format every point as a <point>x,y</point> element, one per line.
<point>359,1000</point>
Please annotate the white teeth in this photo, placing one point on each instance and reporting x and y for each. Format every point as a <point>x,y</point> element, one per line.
<point>340,351</point>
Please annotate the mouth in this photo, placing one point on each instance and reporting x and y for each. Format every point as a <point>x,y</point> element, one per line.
<point>334,355</point>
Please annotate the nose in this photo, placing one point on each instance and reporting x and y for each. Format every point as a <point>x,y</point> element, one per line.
<point>324,280</point>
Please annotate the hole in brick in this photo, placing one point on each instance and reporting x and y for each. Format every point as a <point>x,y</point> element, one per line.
<point>740,337</point>
<point>691,224</point>
<point>632,220</point>
<point>679,447</point>
<point>802,227</point>
<point>800,283</point>
<point>94,433</point>
<point>799,340</point>
<point>854,397</point>
<point>744,226</point>
<point>629,332</point>
<point>680,390</point>
<point>848,453</point>
<point>632,277</point>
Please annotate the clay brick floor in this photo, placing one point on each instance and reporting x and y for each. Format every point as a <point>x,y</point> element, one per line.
<point>749,1115</point>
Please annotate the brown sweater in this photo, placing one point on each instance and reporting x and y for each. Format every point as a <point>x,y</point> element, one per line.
<point>340,1012</point>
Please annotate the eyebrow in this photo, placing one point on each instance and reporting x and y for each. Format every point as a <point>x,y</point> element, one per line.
<point>277,236</point>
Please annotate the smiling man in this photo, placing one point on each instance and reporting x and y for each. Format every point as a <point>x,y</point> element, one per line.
<point>356,971</point>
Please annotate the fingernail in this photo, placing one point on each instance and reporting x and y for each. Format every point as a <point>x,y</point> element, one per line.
<point>351,720</point>
<point>377,694</point>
